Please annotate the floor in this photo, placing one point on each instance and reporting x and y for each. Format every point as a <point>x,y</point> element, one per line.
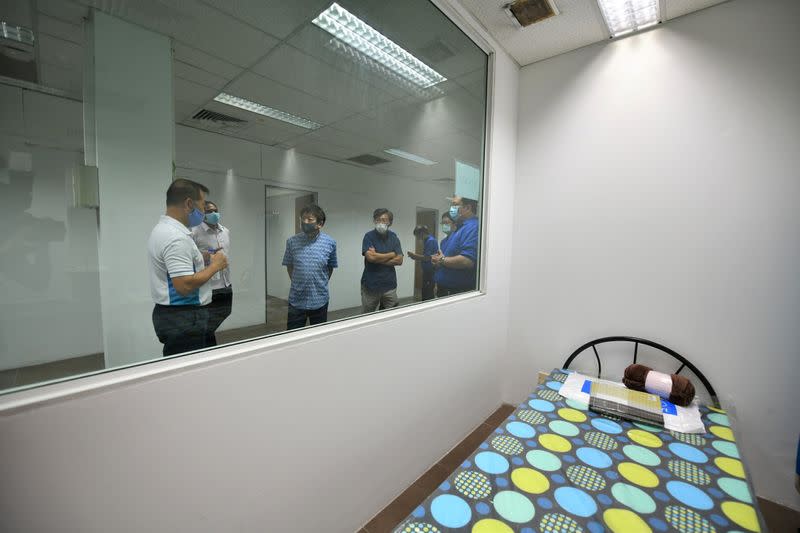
<point>779,519</point>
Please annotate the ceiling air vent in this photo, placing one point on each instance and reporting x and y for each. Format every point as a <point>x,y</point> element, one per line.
<point>367,159</point>
<point>213,116</point>
<point>436,51</point>
<point>527,12</point>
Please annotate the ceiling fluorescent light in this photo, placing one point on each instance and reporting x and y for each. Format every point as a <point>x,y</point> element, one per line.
<point>627,16</point>
<point>411,157</point>
<point>270,112</point>
<point>353,31</point>
<point>20,34</point>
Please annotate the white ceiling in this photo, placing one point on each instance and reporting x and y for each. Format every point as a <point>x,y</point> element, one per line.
<point>578,24</point>
<point>268,51</point>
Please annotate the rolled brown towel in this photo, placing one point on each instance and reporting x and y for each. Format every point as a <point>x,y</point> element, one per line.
<point>681,393</point>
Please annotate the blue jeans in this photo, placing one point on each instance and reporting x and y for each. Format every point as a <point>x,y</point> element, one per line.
<point>297,317</point>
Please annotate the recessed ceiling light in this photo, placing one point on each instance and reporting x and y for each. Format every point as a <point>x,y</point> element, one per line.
<point>20,34</point>
<point>411,157</point>
<point>261,109</point>
<point>627,16</point>
<point>350,29</point>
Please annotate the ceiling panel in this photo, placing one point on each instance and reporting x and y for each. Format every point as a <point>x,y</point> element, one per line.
<point>257,128</point>
<point>197,75</point>
<point>276,17</point>
<point>677,8</point>
<point>311,146</point>
<point>418,26</point>
<point>188,54</point>
<point>579,23</point>
<point>63,9</point>
<point>317,43</point>
<point>273,94</point>
<point>196,24</point>
<point>194,93</point>
<point>61,29</point>
<point>294,68</point>
<point>59,52</point>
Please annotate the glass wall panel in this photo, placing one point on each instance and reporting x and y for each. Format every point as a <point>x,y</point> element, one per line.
<point>176,176</point>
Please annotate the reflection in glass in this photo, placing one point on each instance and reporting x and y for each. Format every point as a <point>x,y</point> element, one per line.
<point>340,145</point>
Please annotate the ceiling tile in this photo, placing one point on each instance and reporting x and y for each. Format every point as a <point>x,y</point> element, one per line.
<point>276,17</point>
<point>63,9</point>
<point>197,75</point>
<point>61,29</point>
<point>194,93</point>
<point>196,24</point>
<point>270,93</point>
<point>188,54</point>
<point>294,68</point>
<point>184,110</point>
<point>677,8</point>
<point>59,52</point>
<point>317,43</point>
<point>417,26</point>
<point>317,148</point>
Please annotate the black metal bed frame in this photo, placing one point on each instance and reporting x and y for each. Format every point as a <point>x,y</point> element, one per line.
<point>637,341</point>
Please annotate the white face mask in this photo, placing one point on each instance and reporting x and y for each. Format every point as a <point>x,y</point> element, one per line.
<point>381,228</point>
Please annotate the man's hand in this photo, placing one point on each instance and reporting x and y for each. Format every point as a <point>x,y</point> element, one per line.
<point>219,261</point>
<point>436,258</point>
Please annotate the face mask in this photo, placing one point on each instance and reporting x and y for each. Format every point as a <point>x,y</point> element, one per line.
<point>382,228</point>
<point>446,229</point>
<point>196,217</point>
<point>308,227</point>
<point>454,211</point>
<point>213,218</point>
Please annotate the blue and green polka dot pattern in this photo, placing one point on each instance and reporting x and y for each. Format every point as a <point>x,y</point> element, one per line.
<point>554,466</point>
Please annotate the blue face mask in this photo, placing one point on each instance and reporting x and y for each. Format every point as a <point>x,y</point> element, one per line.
<point>446,229</point>
<point>195,217</point>
<point>454,211</point>
<point>213,218</point>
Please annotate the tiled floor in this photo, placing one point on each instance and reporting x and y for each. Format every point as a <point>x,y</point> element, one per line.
<point>779,519</point>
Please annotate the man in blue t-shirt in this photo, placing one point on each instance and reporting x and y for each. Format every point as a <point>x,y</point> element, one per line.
<point>456,264</point>
<point>382,253</point>
<point>310,258</point>
<point>429,248</point>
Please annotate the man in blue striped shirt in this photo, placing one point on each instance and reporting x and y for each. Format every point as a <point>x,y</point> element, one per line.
<point>310,258</point>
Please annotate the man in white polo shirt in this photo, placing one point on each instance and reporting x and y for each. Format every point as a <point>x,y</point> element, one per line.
<point>178,275</point>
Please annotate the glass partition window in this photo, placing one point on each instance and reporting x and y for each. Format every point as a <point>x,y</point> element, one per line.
<point>176,176</point>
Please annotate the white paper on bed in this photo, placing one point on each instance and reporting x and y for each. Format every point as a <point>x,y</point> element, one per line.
<point>676,418</point>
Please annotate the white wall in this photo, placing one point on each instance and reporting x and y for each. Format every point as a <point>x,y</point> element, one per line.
<point>48,249</point>
<point>130,116</point>
<point>308,436</point>
<point>658,185</point>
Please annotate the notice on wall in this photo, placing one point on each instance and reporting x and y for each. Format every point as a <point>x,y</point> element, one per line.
<point>468,180</point>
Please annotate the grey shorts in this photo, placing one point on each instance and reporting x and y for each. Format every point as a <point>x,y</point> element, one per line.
<point>372,300</point>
